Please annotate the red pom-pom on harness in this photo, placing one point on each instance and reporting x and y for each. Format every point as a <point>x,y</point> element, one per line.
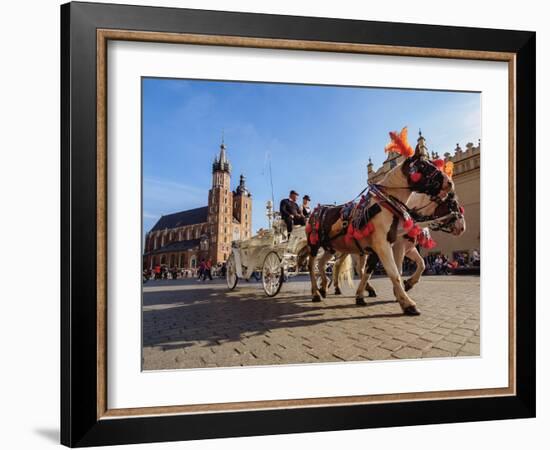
<point>439,163</point>
<point>414,231</point>
<point>308,228</point>
<point>461,209</point>
<point>369,228</point>
<point>416,177</point>
<point>408,223</point>
<point>430,243</point>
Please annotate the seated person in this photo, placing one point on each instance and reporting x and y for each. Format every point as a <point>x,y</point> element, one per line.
<point>291,213</point>
<point>306,210</point>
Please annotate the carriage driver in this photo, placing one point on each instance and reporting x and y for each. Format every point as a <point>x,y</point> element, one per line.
<point>291,213</point>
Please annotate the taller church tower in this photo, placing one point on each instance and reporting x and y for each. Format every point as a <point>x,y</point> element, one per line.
<point>220,208</point>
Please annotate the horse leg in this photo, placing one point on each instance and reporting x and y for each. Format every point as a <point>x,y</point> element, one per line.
<point>420,267</point>
<point>384,251</point>
<point>372,261</point>
<point>316,296</point>
<point>360,268</point>
<point>321,265</point>
<point>336,274</point>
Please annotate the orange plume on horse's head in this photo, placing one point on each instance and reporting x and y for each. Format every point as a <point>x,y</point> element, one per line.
<point>399,144</point>
<point>448,169</point>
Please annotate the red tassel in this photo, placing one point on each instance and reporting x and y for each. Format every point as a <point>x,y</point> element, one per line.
<point>350,229</point>
<point>430,243</point>
<point>414,231</point>
<point>313,238</point>
<point>407,224</point>
<point>316,225</point>
<point>357,234</point>
<point>308,228</point>
<point>461,209</point>
<point>416,177</point>
<point>439,163</point>
<point>421,239</point>
<point>368,229</point>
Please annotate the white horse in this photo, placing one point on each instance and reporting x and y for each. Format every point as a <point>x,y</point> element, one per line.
<point>447,216</point>
<point>327,228</point>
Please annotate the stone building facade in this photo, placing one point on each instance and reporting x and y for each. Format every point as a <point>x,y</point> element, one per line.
<point>466,177</point>
<point>183,238</point>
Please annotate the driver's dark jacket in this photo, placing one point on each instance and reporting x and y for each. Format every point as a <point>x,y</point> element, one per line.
<point>289,208</point>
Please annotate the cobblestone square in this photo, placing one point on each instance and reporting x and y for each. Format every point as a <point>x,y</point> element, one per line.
<point>190,324</point>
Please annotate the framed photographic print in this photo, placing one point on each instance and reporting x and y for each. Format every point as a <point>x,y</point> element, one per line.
<point>277,224</point>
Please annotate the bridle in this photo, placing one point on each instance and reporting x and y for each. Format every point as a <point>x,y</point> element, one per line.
<point>445,222</point>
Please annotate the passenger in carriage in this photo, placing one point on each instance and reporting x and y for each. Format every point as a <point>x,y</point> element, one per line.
<point>306,210</point>
<point>291,213</point>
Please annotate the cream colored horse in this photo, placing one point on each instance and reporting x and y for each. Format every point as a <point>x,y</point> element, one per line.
<point>448,215</point>
<point>398,183</point>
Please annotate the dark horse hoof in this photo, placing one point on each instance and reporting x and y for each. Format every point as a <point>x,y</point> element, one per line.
<point>360,301</point>
<point>407,284</point>
<point>411,311</point>
<point>372,292</point>
<point>337,291</point>
<point>316,298</point>
<point>323,293</point>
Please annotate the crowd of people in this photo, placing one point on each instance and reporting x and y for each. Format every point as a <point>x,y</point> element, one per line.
<point>205,270</point>
<point>442,265</point>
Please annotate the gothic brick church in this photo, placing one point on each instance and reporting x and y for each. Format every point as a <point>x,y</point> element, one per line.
<point>183,238</point>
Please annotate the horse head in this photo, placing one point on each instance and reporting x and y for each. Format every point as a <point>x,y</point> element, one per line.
<point>453,216</point>
<point>425,176</point>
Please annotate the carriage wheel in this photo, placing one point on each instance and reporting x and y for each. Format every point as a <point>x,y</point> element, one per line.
<point>231,273</point>
<point>272,274</point>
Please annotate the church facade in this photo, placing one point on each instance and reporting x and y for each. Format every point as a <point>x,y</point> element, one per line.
<point>466,177</point>
<point>184,238</point>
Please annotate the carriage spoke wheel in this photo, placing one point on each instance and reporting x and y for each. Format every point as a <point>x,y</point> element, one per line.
<point>231,273</point>
<point>272,274</point>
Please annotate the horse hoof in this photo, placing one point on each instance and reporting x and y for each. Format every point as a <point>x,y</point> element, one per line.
<point>316,298</point>
<point>407,284</point>
<point>337,291</point>
<point>411,311</point>
<point>323,293</point>
<point>360,301</point>
<point>372,293</point>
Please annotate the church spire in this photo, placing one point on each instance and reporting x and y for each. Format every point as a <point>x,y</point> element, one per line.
<point>221,163</point>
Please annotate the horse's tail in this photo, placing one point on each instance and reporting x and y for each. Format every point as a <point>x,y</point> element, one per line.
<point>345,271</point>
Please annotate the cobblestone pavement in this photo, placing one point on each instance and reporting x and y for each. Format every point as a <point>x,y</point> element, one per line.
<point>187,324</point>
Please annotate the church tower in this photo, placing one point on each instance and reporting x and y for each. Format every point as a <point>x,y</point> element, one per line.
<point>220,208</point>
<point>242,209</point>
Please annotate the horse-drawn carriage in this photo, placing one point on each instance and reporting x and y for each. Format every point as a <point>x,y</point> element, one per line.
<point>272,253</point>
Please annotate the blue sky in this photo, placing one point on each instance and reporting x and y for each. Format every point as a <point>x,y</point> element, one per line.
<point>318,138</point>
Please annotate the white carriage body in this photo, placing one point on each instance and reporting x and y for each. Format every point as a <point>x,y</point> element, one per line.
<point>250,253</point>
